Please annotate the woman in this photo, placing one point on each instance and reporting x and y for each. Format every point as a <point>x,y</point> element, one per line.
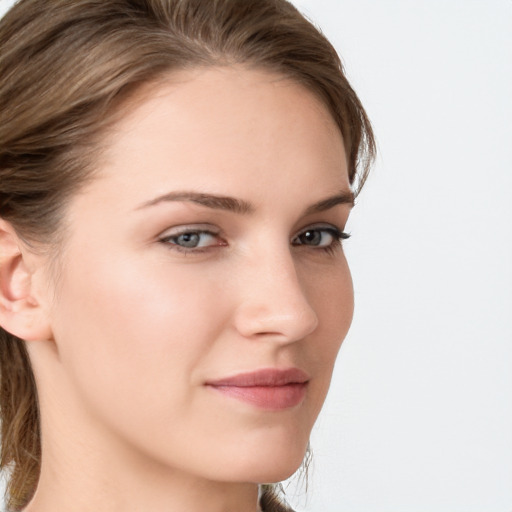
<point>176,176</point>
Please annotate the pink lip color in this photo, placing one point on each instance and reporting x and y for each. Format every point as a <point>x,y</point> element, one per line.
<point>270,389</point>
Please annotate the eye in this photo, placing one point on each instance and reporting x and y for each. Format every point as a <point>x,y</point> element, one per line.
<point>322,237</point>
<point>190,240</point>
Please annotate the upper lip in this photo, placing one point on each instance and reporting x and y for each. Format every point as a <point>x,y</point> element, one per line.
<point>267,377</point>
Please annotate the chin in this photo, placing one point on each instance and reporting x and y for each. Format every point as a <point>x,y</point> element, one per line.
<point>278,474</point>
<point>270,455</point>
<point>273,465</point>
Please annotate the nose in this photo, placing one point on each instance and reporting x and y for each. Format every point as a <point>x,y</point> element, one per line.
<point>273,303</point>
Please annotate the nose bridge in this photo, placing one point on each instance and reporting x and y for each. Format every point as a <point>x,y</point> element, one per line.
<point>275,302</point>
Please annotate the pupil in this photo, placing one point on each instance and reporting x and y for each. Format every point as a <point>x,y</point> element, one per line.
<point>312,237</point>
<point>188,240</point>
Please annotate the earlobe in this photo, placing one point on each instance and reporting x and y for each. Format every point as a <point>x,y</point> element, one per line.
<point>21,312</point>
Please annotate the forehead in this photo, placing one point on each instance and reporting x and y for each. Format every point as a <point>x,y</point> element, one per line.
<point>205,124</point>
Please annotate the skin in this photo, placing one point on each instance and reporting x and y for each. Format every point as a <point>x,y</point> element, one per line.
<point>126,337</point>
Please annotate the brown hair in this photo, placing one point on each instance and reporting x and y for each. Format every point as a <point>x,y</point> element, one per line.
<point>64,67</point>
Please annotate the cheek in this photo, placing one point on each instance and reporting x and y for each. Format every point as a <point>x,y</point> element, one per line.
<point>131,342</point>
<point>332,296</point>
<point>134,324</point>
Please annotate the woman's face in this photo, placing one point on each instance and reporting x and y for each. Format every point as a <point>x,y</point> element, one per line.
<point>200,263</point>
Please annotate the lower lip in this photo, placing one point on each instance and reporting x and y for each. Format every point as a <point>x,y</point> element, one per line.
<point>274,398</point>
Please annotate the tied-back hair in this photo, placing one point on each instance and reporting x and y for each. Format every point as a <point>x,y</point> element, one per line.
<point>66,69</point>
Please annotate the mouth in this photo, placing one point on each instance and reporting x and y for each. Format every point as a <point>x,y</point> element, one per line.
<point>270,389</point>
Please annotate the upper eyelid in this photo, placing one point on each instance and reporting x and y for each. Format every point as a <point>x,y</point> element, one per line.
<point>190,228</point>
<point>209,228</point>
<point>320,225</point>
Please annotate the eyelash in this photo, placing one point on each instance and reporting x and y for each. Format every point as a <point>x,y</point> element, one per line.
<point>169,241</point>
<point>337,234</point>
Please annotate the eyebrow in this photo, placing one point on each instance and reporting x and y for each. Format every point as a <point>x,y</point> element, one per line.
<point>241,206</point>
<point>344,197</point>
<point>209,200</point>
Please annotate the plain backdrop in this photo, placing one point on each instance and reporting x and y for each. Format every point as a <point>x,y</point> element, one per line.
<point>419,417</point>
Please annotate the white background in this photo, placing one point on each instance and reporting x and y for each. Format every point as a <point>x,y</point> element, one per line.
<point>419,418</point>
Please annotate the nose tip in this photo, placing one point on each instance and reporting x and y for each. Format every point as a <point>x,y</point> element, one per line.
<point>276,307</point>
<point>286,326</point>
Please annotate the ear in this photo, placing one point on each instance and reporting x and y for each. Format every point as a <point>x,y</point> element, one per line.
<point>21,310</point>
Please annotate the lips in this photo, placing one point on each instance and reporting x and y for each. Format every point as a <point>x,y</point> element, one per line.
<point>271,389</point>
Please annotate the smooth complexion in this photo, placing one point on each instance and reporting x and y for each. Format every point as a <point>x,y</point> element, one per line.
<point>204,258</point>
